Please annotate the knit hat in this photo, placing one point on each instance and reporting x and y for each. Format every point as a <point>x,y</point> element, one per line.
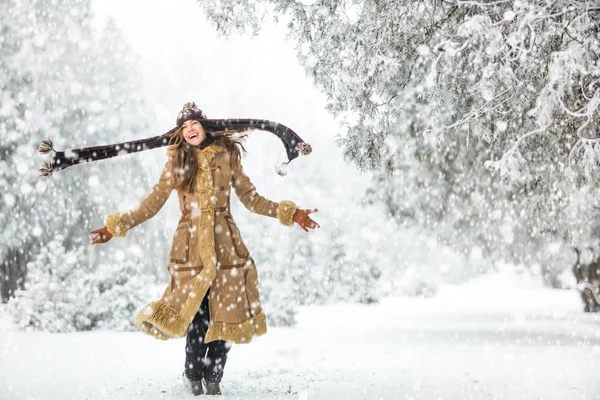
<point>189,112</point>
<point>294,145</point>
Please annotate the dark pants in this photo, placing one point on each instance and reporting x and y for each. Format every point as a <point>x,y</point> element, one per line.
<point>204,360</point>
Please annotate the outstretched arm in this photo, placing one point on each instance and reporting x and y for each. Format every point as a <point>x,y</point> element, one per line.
<point>118,224</point>
<point>285,211</point>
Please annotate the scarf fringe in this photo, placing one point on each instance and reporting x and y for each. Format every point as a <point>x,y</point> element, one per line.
<point>46,146</point>
<point>46,169</point>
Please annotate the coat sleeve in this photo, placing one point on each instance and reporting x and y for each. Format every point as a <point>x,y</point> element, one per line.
<point>119,224</point>
<point>246,191</point>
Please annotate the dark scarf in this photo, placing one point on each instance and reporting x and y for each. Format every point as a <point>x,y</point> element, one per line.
<point>205,143</point>
<point>294,145</point>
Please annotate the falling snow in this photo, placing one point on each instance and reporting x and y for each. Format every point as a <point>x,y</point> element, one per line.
<point>454,166</point>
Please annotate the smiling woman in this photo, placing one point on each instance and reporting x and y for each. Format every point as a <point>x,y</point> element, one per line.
<point>213,297</point>
<point>193,132</point>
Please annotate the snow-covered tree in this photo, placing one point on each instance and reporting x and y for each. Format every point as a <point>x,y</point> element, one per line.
<point>65,292</point>
<point>481,118</point>
<point>62,80</point>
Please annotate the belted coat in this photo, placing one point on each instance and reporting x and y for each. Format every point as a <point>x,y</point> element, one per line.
<point>207,251</point>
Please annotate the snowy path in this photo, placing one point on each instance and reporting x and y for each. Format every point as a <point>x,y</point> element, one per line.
<point>517,344</point>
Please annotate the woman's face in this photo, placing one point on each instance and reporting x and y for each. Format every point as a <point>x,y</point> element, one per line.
<point>193,132</point>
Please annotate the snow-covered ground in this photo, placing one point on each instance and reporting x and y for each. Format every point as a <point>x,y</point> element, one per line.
<point>500,337</point>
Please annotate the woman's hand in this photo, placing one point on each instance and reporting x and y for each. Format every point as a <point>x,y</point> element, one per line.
<point>301,218</point>
<point>103,235</point>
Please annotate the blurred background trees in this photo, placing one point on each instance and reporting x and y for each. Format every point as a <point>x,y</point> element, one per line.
<point>60,79</point>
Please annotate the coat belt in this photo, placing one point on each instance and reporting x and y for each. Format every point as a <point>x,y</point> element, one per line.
<point>210,209</point>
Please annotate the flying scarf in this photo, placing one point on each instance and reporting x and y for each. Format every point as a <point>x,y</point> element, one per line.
<point>294,145</point>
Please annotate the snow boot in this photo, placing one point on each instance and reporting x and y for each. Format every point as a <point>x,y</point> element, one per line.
<point>212,388</point>
<point>197,388</point>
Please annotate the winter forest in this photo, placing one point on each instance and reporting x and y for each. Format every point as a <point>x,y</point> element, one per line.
<point>455,167</point>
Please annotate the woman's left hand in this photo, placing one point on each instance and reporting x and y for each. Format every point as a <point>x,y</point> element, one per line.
<point>301,218</point>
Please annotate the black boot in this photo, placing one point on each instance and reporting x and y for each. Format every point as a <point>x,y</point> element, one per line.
<point>197,388</point>
<point>212,388</point>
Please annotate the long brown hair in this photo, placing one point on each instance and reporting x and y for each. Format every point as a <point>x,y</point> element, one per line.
<point>185,162</point>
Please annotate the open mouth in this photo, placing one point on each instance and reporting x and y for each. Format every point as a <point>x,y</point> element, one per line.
<point>193,135</point>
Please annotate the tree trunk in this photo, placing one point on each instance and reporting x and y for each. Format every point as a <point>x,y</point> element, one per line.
<point>12,273</point>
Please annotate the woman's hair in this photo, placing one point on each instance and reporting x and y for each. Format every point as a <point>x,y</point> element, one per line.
<point>185,162</point>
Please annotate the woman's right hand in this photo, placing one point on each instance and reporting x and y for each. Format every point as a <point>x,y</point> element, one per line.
<point>103,235</point>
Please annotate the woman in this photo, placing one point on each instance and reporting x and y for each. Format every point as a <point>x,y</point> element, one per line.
<point>213,295</point>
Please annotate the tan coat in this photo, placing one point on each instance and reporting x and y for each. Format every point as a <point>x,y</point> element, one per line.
<point>207,252</point>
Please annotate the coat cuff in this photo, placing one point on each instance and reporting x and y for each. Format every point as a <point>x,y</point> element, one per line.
<point>285,212</point>
<point>115,225</point>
